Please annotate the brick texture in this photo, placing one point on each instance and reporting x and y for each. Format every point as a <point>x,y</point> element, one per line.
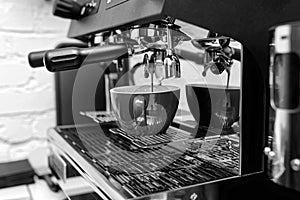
<point>27,102</point>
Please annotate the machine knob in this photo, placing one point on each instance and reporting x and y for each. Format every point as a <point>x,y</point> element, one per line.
<point>295,164</point>
<point>35,59</point>
<point>69,9</point>
<point>269,153</point>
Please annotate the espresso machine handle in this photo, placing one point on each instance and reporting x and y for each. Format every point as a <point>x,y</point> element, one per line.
<point>36,59</point>
<point>73,58</point>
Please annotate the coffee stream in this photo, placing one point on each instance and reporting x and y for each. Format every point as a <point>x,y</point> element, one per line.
<point>151,74</point>
<point>228,79</point>
<point>151,70</point>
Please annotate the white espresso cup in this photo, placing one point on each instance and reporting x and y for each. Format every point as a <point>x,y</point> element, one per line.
<point>140,111</point>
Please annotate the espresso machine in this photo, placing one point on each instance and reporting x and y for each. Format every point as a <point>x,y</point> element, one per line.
<point>183,162</point>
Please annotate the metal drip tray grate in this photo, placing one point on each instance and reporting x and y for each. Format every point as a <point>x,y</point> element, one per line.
<point>100,117</point>
<point>151,141</point>
<point>107,118</point>
<point>160,168</point>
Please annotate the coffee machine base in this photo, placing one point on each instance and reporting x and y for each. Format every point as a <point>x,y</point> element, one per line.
<point>116,168</point>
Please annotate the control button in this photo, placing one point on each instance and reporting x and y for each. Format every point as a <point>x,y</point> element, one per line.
<point>295,164</point>
<point>268,152</point>
<point>194,196</point>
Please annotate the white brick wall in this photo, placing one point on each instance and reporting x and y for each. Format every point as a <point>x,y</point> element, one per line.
<point>27,102</point>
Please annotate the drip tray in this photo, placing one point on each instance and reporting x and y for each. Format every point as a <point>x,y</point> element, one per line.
<point>166,166</point>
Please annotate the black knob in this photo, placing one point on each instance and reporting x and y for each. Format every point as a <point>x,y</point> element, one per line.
<point>35,59</point>
<point>69,9</point>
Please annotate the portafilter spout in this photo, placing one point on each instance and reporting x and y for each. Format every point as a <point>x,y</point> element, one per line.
<point>218,55</point>
<point>165,56</point>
